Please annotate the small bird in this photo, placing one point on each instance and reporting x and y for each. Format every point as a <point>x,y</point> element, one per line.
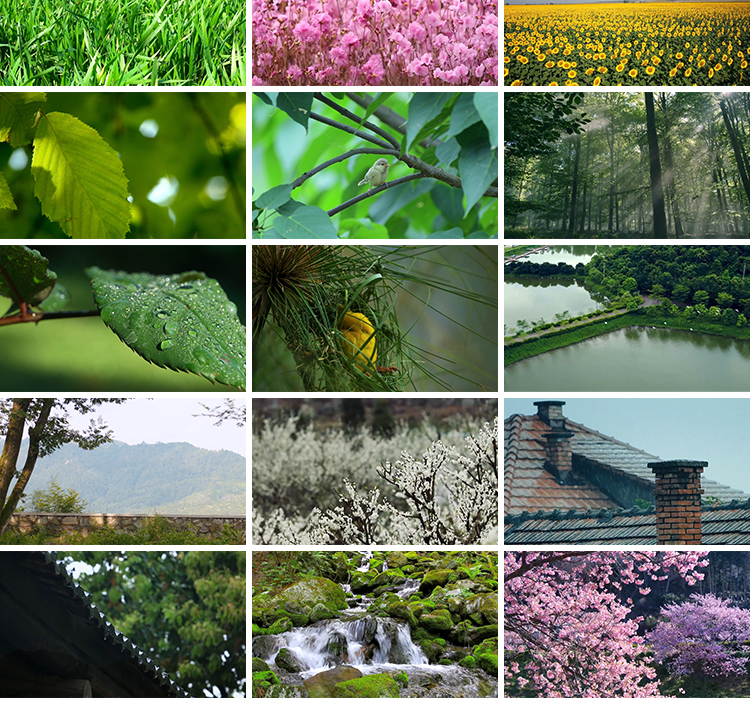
<point>377,175</point>
<point>358,341</point>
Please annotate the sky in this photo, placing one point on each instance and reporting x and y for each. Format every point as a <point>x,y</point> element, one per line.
<point>700,429</point>
<point>167,420</point>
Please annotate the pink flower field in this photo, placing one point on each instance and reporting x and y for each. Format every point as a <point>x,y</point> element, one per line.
<point>375,42</point>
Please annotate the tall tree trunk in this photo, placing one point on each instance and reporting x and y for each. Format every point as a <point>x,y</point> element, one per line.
<point>585,183</point>
<point>657,191</point>
<point>574,187</point>
<point>736,147</point>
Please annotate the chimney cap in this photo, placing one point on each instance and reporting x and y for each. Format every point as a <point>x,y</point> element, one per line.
<point>544,403</point>
<point>677,464</point>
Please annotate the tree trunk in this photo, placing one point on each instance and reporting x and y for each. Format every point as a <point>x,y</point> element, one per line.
<point>736,147</point>
<point>574,187</point>
<point>13,446</point>
<point>657,191</point>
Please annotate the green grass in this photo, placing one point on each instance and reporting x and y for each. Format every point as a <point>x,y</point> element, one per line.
<point>123,42</point>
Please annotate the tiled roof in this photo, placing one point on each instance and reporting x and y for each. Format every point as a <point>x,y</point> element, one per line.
<point>722,524</point>
<point>529,487</point>
<point>34,582</point>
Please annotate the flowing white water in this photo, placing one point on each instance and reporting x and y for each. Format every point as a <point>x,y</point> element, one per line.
<point>368,640</point>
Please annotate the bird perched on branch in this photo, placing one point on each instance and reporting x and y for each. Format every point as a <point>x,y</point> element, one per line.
<point>358,341</point>
<point>377,175</point>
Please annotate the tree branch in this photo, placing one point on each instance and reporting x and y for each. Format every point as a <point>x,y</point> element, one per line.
<point>31,316</point>
<point>350,130</point>
<point>350,115</point>
<point>375,191</point>
<point>337,159</point>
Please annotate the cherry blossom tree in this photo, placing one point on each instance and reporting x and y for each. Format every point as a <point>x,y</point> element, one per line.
<point>567,631</point>
<point>704,636</point>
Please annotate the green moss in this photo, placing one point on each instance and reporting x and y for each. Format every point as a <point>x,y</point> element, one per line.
<point>373,686</point>
<point>445,662</point>
<point>257,630</point>
<point>401,678</point>
<point>282,625</point>
<point>485,654</point>
<point>259,665</point>
<point>437,621</point>
<point>262,681</point>
<point>469,662</point>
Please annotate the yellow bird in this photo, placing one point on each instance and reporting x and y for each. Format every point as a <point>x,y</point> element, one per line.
<point>358,341</point>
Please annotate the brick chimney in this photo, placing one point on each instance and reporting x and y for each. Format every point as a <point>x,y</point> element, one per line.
<point>678,501</point>
<point>550,412</point>
<point>559,455</point>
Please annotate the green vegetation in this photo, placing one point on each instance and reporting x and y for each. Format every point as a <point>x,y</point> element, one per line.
<point>186,610</point>
<point>56,499</point>
<point>155,530</point>
<point>123,42</point>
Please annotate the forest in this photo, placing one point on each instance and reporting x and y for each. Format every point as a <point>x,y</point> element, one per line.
<point>626,624</point>
<point>629,164</point>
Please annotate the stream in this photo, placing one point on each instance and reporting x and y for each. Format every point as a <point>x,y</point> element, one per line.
<point>372,644</point>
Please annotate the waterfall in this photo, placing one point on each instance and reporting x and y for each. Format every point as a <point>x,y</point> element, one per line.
<point>368,640</point>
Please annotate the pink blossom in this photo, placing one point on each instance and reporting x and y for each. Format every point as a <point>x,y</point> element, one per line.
<point>416,31</point>
<point>306,32</point>
<point>350,39</point>
<point>373,69</point>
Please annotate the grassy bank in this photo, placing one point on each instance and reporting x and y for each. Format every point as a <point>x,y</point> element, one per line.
<point>563,338</point>
<point>123,42</point>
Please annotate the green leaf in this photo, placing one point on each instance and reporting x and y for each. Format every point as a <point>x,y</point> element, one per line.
<point>477,164</point>
<point>486,104</point>
<point>297,105</point>
<point>17,114</point>
<point>426,111</point>
<point>453,233</point>
<point>24,275</point>
<point>448,151</point>
<point>79,179</point>
<point>6,197</point>
<point>274,198</point>
<point>307,222</point>
<point>464,114</point>
<point>183,322</point>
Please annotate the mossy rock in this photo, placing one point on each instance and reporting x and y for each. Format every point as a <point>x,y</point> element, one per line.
<point>396,560</point>
<point>282,625</point>
<point>259,664</point>
<point>436,577</point>
<point>373,686</point>
<point>387,578</point>
<point>321,685</point>
<point>399,609</point>
<point>411,556</point>
<point>262,681</point>
<point>304,595</point>
<point>486,655</point>
<point>416,609</point>
<point>361,580</point>
<point>468,662</point>
<point>284,691</point>
<point>376,564</point>
<point>445,662</point>
<point>433,651</point>
<point>485,605</point>
<point>437,621</point>
<point>287,660</point>
<point>401,678</point>
<point>320,612</point>
<point>257,630</point>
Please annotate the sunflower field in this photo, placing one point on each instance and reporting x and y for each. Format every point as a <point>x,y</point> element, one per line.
<point>628,44</point>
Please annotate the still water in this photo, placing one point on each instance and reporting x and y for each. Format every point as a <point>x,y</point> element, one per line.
<point>569,255</point>
<point>638,359</point>
<point>540,298</point>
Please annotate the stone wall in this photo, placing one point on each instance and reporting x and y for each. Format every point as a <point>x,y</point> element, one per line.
<point>209,526</point>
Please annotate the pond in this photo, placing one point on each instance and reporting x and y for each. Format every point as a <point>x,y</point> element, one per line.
<point>540,298</point>
<point>638,359</point>
<point>566,254</point>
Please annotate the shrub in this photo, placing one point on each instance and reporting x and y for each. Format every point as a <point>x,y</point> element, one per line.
<point>56,499</point>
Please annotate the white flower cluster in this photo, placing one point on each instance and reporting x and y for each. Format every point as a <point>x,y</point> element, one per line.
<point>444,497</point>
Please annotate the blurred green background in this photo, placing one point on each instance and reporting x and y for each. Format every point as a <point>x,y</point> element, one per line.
<point>82,354</point>
<point>184,150</point>
<point>458,337</point>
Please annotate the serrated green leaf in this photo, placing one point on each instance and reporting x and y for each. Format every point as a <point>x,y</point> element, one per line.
<point>6,197</point>
<point>183,322</point>
<point>79,179</point>
<point>17,115</point>
<point>24,275</point>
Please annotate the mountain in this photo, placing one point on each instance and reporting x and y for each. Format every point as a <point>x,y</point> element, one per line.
<point>168,478</point>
